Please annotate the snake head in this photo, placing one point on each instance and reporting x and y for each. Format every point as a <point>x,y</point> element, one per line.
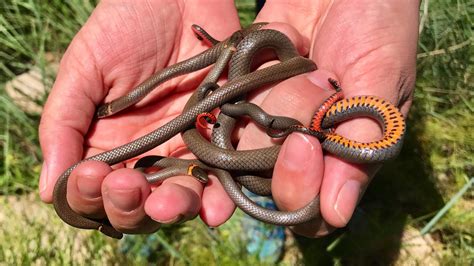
<point>203,35</point>
<point>147,161</point>
<point>104,111</point>
<point>235,38</point>
<point>274,133</point>
<point>198,173</point>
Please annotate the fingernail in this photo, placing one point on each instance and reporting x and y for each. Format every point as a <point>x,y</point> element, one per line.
<point>176,220</point>
<point>89,186</point>
<point>319,79</point>
<point>43,178</point>
<point>347,200</point>
<point>125,199</point>
<point>298,152</point>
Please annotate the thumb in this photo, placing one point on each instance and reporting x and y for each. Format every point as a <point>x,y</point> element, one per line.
<point>67,115</point>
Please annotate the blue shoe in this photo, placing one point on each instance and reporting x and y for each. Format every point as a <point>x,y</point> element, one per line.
<point>263,239</point>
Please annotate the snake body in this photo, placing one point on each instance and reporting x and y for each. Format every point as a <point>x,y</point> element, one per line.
<point>219,156</point>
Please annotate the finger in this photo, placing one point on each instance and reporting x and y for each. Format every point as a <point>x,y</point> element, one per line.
<point>177,200</point>
<point>124,194</point>
<point>343,186</point>
<point>217,207</point>
<point>299,169</point>
<point>342,182</point>
<point>297,178</point>
<point>84,188</point>
<point>299,41</point>
<point>64,122</point>
<point>68,112</point>
<point>299,166</point>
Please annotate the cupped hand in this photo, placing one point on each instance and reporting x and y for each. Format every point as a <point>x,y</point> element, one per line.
<point>123,43</point>
<point>370,48</point>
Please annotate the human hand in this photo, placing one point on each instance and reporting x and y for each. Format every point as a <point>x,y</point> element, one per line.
<point>122,44</point>
<point>370,48</point>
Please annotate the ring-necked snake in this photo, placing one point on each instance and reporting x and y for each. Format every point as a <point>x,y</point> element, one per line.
<point>218,156</point>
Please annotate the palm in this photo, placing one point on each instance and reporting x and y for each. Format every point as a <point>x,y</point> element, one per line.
<point>122,44</point>
<point>125,57</point>
<point>360,52</point>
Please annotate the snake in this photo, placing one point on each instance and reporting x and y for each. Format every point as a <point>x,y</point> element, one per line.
<point>218,156</point>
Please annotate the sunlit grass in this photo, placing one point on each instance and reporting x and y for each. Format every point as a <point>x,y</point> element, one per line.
<point>29,235</point>
<point>444,106</point>
<point>29,32</point>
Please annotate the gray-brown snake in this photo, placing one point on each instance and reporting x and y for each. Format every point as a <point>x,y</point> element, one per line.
<point>220,158</point>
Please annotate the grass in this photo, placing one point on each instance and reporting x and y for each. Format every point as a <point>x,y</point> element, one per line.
<point>27,241</point>
<point>425,191</point>
<point>29,236</point>
<point>26,29</point>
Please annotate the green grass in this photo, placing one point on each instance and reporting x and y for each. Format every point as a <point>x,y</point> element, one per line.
<point>424,190</point>
<point>444,113</point>
<point>26,29</point>
<point>29,236</point>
